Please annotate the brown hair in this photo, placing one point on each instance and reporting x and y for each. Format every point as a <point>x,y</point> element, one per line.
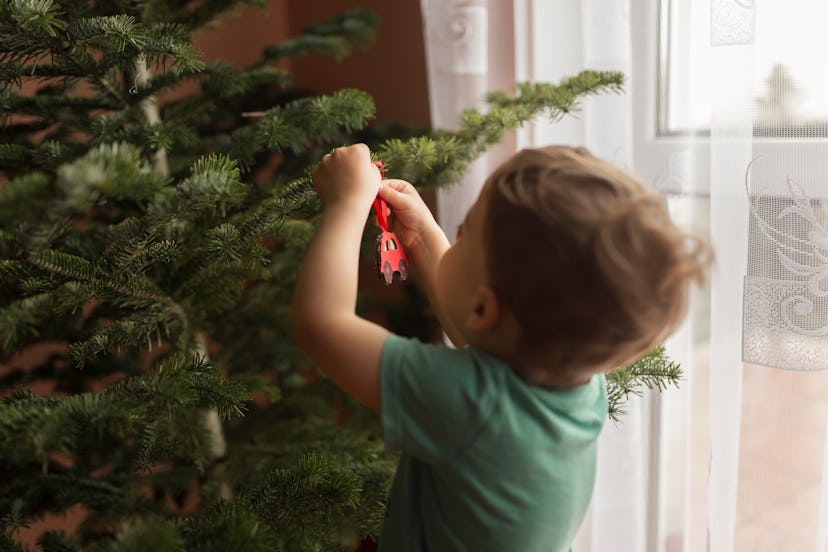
<point>586,258</point>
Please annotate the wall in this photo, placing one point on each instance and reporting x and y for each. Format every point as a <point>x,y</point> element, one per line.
<point>392,70</point>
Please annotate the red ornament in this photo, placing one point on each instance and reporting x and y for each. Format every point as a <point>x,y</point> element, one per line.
<point>391,256</point>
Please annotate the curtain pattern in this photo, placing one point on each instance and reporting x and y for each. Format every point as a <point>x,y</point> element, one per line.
<point>786,285</point>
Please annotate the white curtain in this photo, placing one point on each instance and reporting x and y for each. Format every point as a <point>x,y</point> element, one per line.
<point>737,457</point>
<point>743,149</point>
<point>469,47</point>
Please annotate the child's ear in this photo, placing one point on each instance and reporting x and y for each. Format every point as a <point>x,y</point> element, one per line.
<point>486,310</point>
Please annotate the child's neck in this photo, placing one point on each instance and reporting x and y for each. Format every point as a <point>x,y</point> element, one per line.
<point>544,377</point>
<point>503,344</point>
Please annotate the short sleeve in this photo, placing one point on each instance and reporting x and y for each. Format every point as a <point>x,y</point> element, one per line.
<point>434,399</point>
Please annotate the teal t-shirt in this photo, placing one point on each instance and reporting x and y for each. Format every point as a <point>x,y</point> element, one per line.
<point>488,462</point>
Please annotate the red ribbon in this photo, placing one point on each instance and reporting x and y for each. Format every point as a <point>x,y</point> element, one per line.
<point>380,206</point>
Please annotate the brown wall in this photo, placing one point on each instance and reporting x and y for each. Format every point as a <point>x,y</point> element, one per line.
<point>392,70</point>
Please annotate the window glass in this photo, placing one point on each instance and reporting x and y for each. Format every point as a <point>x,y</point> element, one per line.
<point>790,69</point>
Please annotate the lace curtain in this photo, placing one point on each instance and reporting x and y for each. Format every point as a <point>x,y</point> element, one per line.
<point>786,284</point>
<point>752,474</point>
<point>737,457</point>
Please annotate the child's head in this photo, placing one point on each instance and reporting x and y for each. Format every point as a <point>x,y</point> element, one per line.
<point>586,258</point>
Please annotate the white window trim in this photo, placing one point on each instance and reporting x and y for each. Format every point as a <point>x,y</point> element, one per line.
<point>663,159</point>
<point>659,159</point>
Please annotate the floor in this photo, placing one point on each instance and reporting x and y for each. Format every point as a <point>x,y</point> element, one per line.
<point>781,455</point>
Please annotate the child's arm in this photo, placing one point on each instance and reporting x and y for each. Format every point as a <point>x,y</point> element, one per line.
<point>323,316</point>
<point>424,241</point>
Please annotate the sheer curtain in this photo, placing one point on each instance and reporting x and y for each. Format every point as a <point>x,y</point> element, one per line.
<point>469,47</point>
<point>730,122</point>
<point>722,113</point>
<point>476,46</point>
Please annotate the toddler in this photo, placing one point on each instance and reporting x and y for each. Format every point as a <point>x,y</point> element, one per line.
<point>566,267</point>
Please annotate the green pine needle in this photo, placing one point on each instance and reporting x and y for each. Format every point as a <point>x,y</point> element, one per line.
<point>654,371</point>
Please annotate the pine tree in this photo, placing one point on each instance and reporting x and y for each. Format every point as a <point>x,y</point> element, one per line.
<point>149,274</point>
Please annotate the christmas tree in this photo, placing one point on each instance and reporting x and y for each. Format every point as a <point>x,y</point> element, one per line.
<point>147,259</point>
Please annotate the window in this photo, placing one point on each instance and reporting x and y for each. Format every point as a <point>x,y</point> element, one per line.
<point>766,229</point>
<point>790,76</point>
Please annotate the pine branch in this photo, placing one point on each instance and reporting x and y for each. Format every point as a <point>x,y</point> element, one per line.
<point>154,313</point>
<point>213,177</point>
<point>166,39</point>
<point>114,32</point>
<point>208,10</point>
<point>38,17</point>
<point>222,176</point>
<point>63,264</point>
<point>21,318</point>
<point>7,544</point>
<point>442,159</point>
<point>295,502</point>
<point>20,193</point>
<point>223,80</point>
<point>297,124</point>
<point>655,371</point>
<point>332,36</point>
<point>130,257</point>
<point>58,541</point>
<point>157,407</point>
<point>113,495</point>
<point>145,535</point>
<point>37,105</point>
<point>228,526</point>
<point>12,73</point>
<point>18,131</point>
<point>130,126</point>
<point>144,325</point>
<point>117,171</point>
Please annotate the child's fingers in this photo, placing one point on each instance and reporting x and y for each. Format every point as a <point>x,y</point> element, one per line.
<point>407,208</point>
<point>392,196</point>
<point>400,202</point>
<point>398,193</point>
<point>398,185</point>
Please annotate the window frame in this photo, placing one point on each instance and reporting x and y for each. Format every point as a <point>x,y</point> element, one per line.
<point>662,157</point>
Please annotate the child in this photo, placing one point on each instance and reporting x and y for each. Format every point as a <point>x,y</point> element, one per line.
<point>565,268</point>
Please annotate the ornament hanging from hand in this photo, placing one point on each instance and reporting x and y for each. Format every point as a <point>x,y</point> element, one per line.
<point>391,256</point>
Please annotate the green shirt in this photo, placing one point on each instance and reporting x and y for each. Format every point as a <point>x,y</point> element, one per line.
<point>488,462</point>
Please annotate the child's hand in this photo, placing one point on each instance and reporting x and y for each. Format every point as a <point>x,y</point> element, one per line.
<point>346,175</point>
<point>410,217</point>
<point>424,241</point>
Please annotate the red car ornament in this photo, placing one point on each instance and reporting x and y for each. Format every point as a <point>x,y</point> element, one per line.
<point>391,256</point>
